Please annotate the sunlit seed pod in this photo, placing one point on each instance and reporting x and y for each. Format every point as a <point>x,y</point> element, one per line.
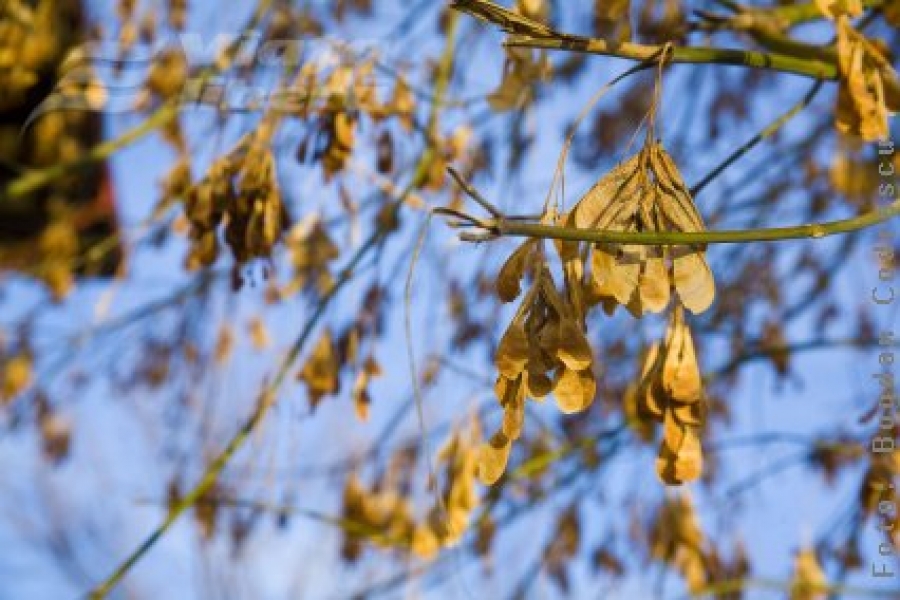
<point>538,385</point>
<point>168,74</point>
<point>16,375</point>
<point>492,458</point>
<point>512,352</point>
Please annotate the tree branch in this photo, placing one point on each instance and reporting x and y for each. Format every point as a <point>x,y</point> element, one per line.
<point>525,33</point>
<point>506,227</point>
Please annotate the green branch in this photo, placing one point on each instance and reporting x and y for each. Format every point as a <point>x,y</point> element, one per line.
<point>526,33</point>
<point>505,227</point>
<point>36,180</point>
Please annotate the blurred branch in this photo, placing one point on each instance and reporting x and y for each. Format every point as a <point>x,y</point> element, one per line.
<point>796,14</point>
<point>268,395</point>
<point>765,133</point>
<point>767,351</point>
<point>265,402</point>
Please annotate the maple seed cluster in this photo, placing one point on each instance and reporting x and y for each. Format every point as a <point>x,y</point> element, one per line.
<point>545,349</point>
<point>384,516</point>
<point>869,88</point>
<point>670,392</point>
<point>245,195</point>
<point>646,193</point>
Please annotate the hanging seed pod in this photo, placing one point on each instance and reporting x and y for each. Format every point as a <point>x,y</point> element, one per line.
<point>168,74</point>
<point>670,392</point>
<point>646,193</point>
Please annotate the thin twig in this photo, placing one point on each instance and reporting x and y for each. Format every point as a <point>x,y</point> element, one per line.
<point>507,228</point>
<point>765,133</point>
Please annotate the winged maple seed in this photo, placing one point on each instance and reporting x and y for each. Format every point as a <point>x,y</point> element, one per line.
<point>543,351</point>
<point>646,193</point>
<point>670,392</point>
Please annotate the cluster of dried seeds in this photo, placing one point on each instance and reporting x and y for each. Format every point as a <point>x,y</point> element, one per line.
<point>869,90</point>
<point>671,392</point>
<point>243,193</point>
<point>543,351</point>
<point>646,193</point>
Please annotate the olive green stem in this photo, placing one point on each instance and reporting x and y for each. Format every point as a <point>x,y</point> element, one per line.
<point>813,68</point>
<point>672,238</point>
<point>36,180</point>
<point>490,229</point>
<point>526,33</point>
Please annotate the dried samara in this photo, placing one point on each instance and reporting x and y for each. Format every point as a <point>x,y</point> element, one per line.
<point>646,194</point>
<point>671,392</point>
<point>544,350</point>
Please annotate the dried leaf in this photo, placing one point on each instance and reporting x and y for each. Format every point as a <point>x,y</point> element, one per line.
<point>654,286</point>
<point>869,88</point>
<point>693,414</point>
<point>17,375</point>
<point>809,582</point>
<point>321,371</point>
<point>537,385</point>
<point>681,373</point>
<point>360,394</point>
<point>680,457</point>
<point>615,278</point>
<point>615,192</point>
<point>259,334</point>
<point>651,401</point>
<point>513,420</point>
